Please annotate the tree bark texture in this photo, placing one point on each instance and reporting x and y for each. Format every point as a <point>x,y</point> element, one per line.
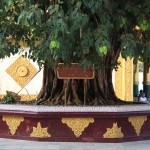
<point>97,91</point>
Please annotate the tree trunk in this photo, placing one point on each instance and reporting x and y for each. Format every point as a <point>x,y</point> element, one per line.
<point>97,91</point>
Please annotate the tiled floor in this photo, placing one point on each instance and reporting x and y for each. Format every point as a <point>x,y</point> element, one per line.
<point>8,144</point>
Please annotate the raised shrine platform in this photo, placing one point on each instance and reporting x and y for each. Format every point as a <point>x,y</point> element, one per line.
<point>75,124</point>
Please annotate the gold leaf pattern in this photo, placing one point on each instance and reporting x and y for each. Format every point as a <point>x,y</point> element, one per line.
<point>13,122</point>
<point>113,132</point>
<point>77,124</point>
<point>21,71</point>
<point>40,132</point>
<point>137,122</point>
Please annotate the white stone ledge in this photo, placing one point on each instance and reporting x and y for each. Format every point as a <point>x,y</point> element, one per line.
<point>117,108</point>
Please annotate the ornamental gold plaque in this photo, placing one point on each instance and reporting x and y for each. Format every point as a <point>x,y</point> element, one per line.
<point>40,132</point>
<point>77,124</point>
<point>13,122</point>
<point>21,71</point>
<point>137,122</point>
<point>113,132</point>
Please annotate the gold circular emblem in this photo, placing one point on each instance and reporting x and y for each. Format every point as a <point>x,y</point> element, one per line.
<point>22,71</point>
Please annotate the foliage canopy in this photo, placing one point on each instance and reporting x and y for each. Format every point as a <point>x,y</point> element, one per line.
<point>81,31</point>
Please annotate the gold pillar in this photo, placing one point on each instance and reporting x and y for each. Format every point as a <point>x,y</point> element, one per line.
<point>136,80</point>
<point>129,80</point>
<point>119,79</point>
<point>146,74</point>
<point>136,73</point>
<point>147,80</point>
<point>124,80</point>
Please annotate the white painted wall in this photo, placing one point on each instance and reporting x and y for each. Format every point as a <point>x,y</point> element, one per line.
<point>141,81</point>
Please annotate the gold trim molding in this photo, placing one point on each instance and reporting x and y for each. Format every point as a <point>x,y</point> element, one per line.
<point>77,125</point>
<point>22,42</point>
<point>137,122</point>
<point>21,71</point>
<point>13,122</point>
<point>40,132</point>
<point>23,97</point>
<point>114,132</point>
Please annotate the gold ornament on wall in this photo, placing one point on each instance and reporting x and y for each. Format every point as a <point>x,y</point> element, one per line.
<point>114,132</point>
<point>77,124</point>
<point>13,122</point>
<point>21,71</point>
<point>40,132</point>
<point>137,122</point>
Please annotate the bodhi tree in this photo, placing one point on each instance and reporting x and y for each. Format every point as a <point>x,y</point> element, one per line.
<point>88,32</point>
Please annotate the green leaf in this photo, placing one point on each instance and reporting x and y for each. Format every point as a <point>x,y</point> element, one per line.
<point>54,44</point>
<point>74,53</point>
<point>145,25</point>
<point>103,50</point>
<point>123,20</point>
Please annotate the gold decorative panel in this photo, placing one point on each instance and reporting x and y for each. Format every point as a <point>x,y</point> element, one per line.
<point>40,132</point>
<point>113,132</point>
<point>77,124</point>
<point>21,71</point>
<point>13,122</point>
<point>137,122</point>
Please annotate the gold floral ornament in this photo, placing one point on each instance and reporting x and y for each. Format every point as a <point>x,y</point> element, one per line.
<point>137,122</point>
<point>77,124</point>
<point>113,132</point>
<point>21,71</point>
<point>40,132</point>
<point>13,122</point>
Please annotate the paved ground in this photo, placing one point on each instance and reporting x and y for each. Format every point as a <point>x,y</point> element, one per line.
<point>7,144</point>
